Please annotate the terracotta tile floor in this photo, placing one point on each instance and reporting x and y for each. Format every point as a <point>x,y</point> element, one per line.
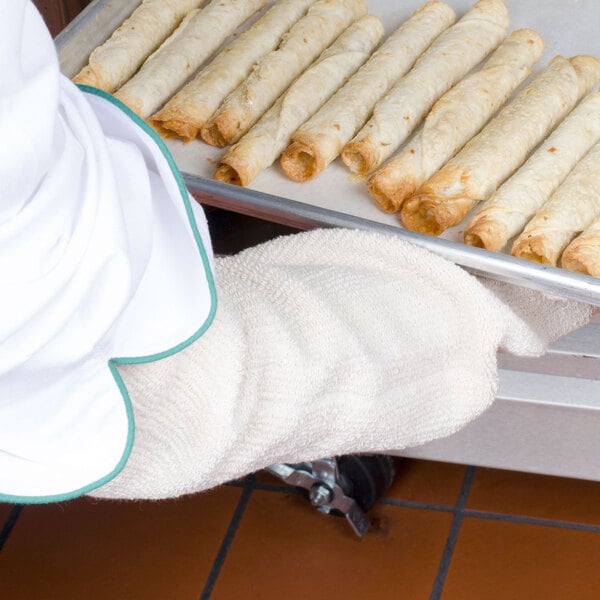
<point>441,531</point>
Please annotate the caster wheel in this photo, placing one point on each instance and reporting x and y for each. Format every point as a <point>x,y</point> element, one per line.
<point>346,486</point>
<point>365,478</point>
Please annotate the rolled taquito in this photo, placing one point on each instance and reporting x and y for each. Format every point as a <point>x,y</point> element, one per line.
<point>265,141</point>
<point>502,146</point>
<point>517,200</point>
<point>116,60</point>
<point>186,112</point>
<point>319,141</point>
<point>198,36</point>
<point>455,118</point>
<point>322,24</point>
<point>444,63</point>
<point>573,207</point>
<point>582,255</point>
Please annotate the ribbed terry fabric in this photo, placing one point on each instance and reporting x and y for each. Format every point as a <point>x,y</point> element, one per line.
<point>326,343</point>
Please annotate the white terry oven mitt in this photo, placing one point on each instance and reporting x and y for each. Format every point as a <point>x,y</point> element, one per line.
<point>327,343</point>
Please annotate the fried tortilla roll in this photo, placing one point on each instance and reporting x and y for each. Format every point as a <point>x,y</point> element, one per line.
<point>583,253</point>
<point>114,62</point>
<point>447,60</point>
<point>269,137</point>
<point>517,200</point>
<point>191,107</point>
<point>323,23</point>
<point>455,118</point>
<point>319,141</point>
<point>570,210</point>
<point>197,37</point>
<point>474,174</point>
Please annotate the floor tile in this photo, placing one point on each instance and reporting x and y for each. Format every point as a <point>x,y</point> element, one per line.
<point>495,560</point>
<point>101,550</point>
<point>427,481</point>
<point>538,496</point>
<point>286,549</point>
<point>267,478</point>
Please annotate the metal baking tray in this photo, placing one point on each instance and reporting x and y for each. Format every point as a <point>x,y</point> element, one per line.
<point>336,200</point>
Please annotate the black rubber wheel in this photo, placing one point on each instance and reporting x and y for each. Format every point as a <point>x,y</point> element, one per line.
<point>366,477</point>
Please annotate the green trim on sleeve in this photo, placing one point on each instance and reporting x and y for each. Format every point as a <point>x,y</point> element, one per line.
<point>100,482</point>
<point>112,363</point>
<point>185,196</point>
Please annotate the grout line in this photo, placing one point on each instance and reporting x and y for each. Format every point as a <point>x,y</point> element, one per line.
<point>440,578</point>
<point>493,516</point>
<point>211,580</point>
<point>481,514</point>
<point>237,483</point>
<point>274,487</point>
<point>269,487</point>
<point>414,504</point>
<point>10,523</point>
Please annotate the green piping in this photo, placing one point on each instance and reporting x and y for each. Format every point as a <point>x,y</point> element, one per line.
<point>112,363</point>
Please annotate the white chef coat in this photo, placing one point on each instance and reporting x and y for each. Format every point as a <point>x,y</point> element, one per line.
<point>104,259</point>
